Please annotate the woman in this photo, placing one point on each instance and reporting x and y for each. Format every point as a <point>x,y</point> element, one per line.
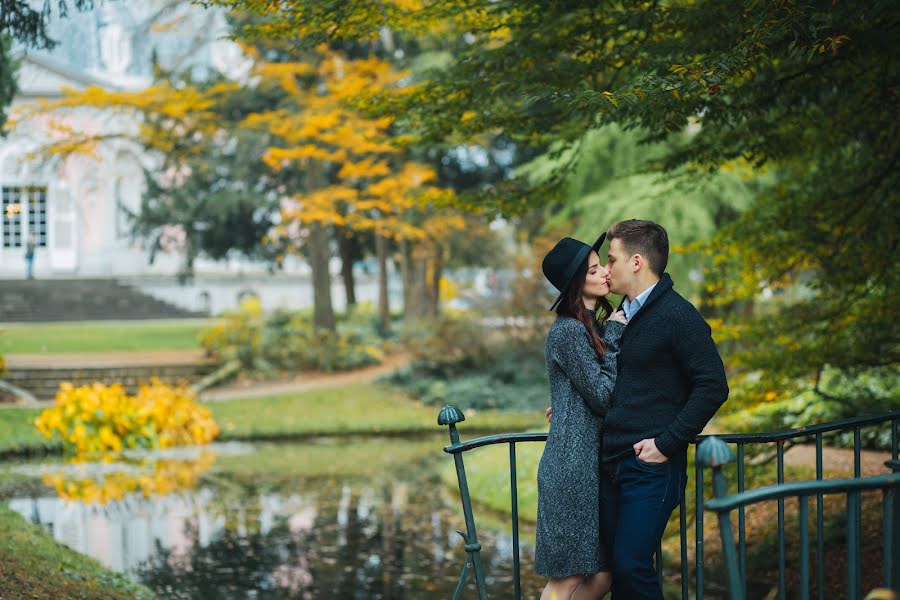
<point>581,366</point>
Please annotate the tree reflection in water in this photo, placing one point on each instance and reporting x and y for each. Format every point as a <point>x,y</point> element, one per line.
<point>351,540</point>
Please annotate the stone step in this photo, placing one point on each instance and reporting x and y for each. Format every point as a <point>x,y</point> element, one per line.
<point>23,300</point>
<point>44,382</point>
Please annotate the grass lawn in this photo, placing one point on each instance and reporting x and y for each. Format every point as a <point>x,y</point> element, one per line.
<point>17,430</point>
<point>94,336</point>
<point>365,409</point>
<point>331,458</point>
<point>33,563</point>
<point>487,473</point>
<point>351,409</point>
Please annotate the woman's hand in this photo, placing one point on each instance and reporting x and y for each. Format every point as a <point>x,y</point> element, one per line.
<point>619,316</point>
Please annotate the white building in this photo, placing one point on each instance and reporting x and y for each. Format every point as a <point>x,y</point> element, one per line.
<point>77,207</point>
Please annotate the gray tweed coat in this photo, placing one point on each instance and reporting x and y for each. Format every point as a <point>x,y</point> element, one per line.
<point>568,517</point>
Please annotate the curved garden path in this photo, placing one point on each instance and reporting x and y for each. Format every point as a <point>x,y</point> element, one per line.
<point>304,381</point>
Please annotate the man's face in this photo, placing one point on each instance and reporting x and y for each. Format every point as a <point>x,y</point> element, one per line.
<point>619,265</point>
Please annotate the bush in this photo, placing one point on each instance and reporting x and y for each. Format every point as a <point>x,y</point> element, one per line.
<point>100,419</point>
<point>450,345</point>
<point>839,397</point>
<point>287,341</point>
<point>458,361</point>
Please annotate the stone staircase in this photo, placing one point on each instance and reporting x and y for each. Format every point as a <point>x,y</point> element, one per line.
<point>38,300</point>
<point>44,382</point>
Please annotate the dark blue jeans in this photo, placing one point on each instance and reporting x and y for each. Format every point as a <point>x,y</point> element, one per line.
<point>636,507</point>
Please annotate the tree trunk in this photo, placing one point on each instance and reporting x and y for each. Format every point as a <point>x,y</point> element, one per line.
<point>436,271</point>
<point>418,305</point>
<point>319,253</point>
<point>384,307</point>
<point>323,312</point>
<point>406,276</point>
<point>346,250</point>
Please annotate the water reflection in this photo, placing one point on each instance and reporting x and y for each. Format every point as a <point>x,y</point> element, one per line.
<point>270,530</point>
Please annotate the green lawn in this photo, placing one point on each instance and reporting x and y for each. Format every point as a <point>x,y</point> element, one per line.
<point>17,430</point>
<point>363,409</point>
<point>487,473</point>
<point>94,336</point>
<point>31,561</point>
<point>351,409</point>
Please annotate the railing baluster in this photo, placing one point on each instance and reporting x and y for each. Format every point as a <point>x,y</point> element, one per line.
<point>853,588</point>
<point>742,536</point>
<point>804,548</point>
<point>857,473</point>
<point>895,534</point>
<point>698,526</point>
<point>887,525</point>
<point>682,517</point>
<point>514,497</point>
<point>820,523</point>
<point>450,416</point>
<point>715,453</point>
<point>894,438</point>
<point>782,591</point>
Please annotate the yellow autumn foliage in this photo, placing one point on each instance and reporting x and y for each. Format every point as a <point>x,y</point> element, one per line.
<point>99,419</point>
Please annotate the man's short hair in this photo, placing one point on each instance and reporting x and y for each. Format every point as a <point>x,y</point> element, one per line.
<point>646,238</point>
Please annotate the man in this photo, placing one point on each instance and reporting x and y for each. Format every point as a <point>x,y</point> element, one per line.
<point>670,383</point>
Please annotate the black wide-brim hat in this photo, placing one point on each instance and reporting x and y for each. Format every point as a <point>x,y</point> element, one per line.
<point>562,262</point>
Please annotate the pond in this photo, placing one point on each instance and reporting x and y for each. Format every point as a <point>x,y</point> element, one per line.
<point>337,518</point>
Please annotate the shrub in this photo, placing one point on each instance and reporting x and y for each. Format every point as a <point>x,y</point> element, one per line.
<point>458,361</point>
<point>287,341</point>
<point>101,419</point>
<point>450,345</point>
<point>838,397</point>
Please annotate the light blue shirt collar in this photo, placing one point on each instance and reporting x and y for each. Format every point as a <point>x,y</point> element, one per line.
<point>632,306</point>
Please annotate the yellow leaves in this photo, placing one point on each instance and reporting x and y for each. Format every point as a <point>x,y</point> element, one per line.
<point>368,168</point>
<point>468,116</point>
<point>100,419</point>
<point>160,116</point>
<point>679,70</point>
<point>320,206</point>
<point>278,158</point>
<point>284,74</point>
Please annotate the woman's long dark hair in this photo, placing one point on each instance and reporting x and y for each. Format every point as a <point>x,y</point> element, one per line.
<point>572,305</point>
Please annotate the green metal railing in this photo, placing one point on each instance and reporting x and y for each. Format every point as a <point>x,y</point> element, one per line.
<point>715,453</point>
<point>450,415</point>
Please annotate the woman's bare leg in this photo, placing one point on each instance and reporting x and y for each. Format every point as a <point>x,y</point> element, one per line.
<point>594,587</point>
<point>562,589</point>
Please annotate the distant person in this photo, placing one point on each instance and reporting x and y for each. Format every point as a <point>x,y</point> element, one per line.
<point>30,246</point>
<point>581,350</point>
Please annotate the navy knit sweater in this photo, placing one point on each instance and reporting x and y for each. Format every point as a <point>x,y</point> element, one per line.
<point>670,379</point>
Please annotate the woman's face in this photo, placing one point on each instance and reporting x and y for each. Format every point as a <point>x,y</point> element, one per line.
<point>596,282</point>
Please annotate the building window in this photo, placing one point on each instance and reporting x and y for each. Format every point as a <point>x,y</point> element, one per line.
<point>24,212</point>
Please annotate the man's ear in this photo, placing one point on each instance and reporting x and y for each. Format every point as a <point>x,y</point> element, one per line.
<point>637,263</point>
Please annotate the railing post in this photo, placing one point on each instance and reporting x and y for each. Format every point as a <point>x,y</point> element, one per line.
<point>514,503</point>
<point>450,416</point>
<point>892,529</point>
<point>714,453</point>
